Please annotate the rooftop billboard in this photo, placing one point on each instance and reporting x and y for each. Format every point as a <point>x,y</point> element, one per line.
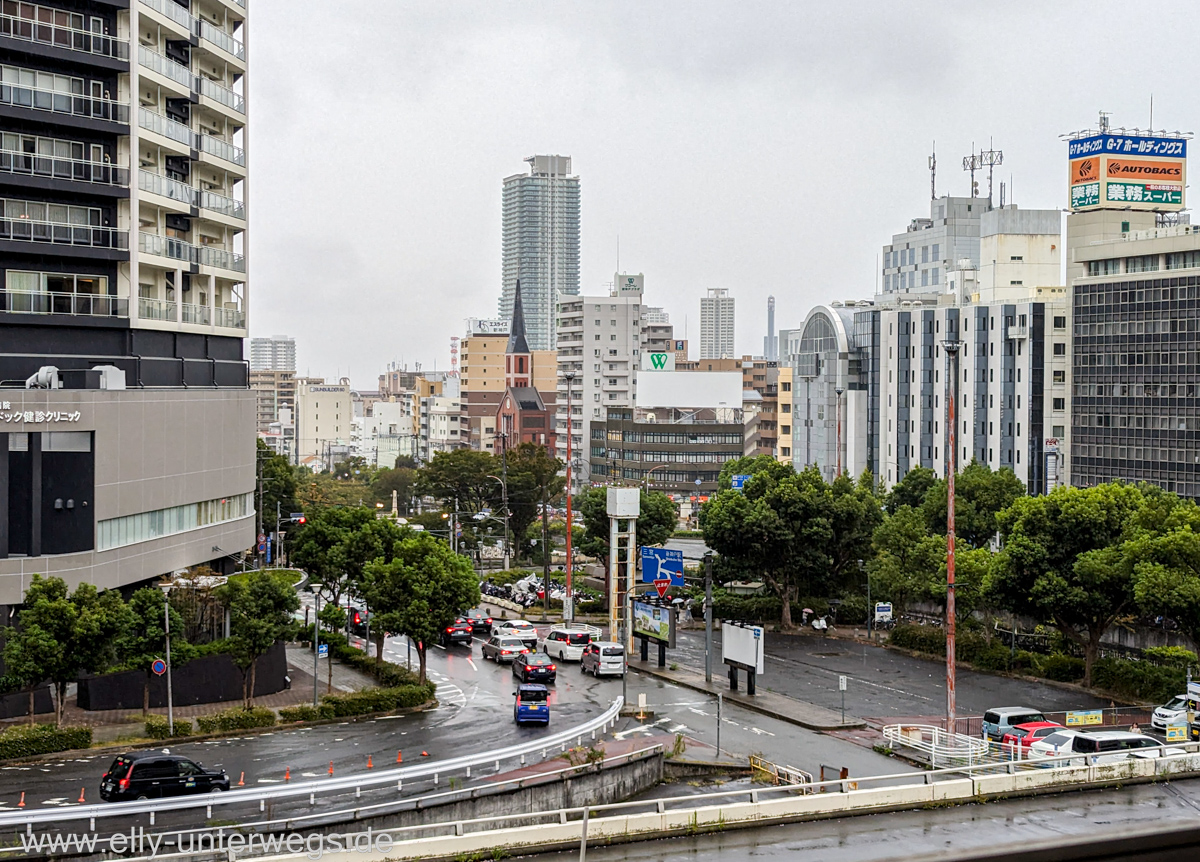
<point>1119,171</point>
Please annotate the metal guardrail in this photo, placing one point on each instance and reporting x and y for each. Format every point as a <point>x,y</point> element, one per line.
<point>354,782</point>
<point>936,742</point>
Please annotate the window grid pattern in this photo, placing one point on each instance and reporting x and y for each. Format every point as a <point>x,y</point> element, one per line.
<point>131,529</point>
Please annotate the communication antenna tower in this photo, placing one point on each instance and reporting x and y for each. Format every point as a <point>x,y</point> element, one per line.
<point>1104,115</point>
<point>933,173</point>
<point>989,158</point>
<point>973,163</point>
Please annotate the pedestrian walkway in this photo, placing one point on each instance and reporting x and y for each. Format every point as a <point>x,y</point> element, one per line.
<point>806,715</point>
<point>345,679</point>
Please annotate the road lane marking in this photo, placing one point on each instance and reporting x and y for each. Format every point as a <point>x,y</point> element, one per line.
<point>761,732</point>
<point>471,663</point>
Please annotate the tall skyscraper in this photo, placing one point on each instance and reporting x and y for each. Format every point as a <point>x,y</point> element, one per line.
<point>277,353</point>
<point>771,340</point>
<point>540,244</point>
<point>716,325</point>
<point>128,450</point>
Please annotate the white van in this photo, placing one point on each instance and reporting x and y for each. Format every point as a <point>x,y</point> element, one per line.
<point>603,658</point>
<point>566,643</point>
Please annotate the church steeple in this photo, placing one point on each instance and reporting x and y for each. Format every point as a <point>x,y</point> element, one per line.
<point>518,361</point>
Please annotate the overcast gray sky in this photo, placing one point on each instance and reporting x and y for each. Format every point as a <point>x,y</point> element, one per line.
<point>770,148</point>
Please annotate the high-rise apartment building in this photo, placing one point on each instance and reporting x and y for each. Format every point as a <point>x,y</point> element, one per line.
<point>716,324</point>
<point>277,353</point>
<point>540,239</point>
<point>129,453</point>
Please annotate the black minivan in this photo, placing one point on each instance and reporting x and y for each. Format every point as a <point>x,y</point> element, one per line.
<point>157,774</point>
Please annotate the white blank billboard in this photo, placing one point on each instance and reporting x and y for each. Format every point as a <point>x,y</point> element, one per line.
<point>743,644</point>
<point>689,389</point>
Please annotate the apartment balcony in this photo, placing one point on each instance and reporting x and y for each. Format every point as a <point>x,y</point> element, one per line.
<point>176,190</point>
<point>53,167</point>
<point>173,12</point>
<point>195,27</point>
<point>219,258</point>
<point>82,304</point>
<point>229,318</point>
<point>171,129</point>
<point>220,204</point>
<point>177,249</point>
<point>218,38</point>
<point>1018,332</point>
<point>64,104</point>
<point>52,28</point>
<point>220,94</point>
<point>58,234</point>
<point>165,66</point>
<point>222,150</point>
<point>197,314</point>
<point>157,309</point>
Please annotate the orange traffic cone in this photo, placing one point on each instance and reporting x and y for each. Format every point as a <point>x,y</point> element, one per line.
<point>331,767</point>
<point>399,756</point>
<point>242,780</point>
<point>21,804</point>
<point>369,766</point>
<point>424,753</point>
<point>81,799</point>
<point>287,775</point>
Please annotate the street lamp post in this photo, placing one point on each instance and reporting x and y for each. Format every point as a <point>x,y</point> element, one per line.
<point>504,493</point>
<point>646,478</point>
<point>808,421</point>
<point>316,590</point>
<point>569,595</point>
<point>166,590</point>
<point>951,347</point>
<point>839,392</point>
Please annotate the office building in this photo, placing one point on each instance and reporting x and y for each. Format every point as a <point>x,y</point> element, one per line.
<point>716,324</point>
<point>130,453</point>
<point>917,260</point>
<point>277,353</point>
<point>323,417</point>
<point>1134,273</point>
<point>540,238</point>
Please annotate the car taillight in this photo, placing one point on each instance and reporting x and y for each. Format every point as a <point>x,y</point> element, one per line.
<point>123,784</point>
<point>489,621</point>
<point>504,652</point>
<point>449,628</point>
<point>551,667</point>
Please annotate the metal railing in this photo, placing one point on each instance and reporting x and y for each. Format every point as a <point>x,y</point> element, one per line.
<point>156,309</point>
<point>299,789</point>
<point>195,314</point>
<point>220,38</point>
<point>57,233</point>
<point>165,66</point>
<point>220,258</point>
<point>223,150</point>
<point>86,304</point>
<point>81,170</point>
<point>70,38</point>
<point>166,187</point>
<point>164,246</point>
<point>75,104</point>
<point>168,128</point>
<point>172,10</point>
<point>937,743</point>
<point>224,95</point>
<point>219,203</point>
<point>229,318</point>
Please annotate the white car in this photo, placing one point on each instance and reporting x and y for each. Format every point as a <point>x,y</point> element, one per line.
<point>1173,711</point>
<point>1055,744</point>
<point>517,629</point>
<point>566,643</point>
<point>603,658</point>
<point>1109,746</point>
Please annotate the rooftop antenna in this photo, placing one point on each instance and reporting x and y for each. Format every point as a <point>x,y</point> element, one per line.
<point>972,163</point>
<point>990,158</point>
<point>1104,115</point>
<point>1002,194</point>
<point>933,173</point>
<point>1152,113</point>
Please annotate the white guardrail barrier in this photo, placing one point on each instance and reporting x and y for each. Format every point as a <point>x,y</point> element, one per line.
<point>356,782</point>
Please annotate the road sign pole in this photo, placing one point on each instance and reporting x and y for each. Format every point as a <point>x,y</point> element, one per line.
<point>167,632</point>
<point>708,615</point>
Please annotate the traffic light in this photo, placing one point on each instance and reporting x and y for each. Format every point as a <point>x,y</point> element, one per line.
<point>357,618</point>
<point>298,518</point>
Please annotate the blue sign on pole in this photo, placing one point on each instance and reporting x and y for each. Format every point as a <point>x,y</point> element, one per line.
<point>661,564</point>
<point>736,482</point>
<point>268,549</point>
<point>322,650</point>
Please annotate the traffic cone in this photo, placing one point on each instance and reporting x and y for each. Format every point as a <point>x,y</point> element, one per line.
<point>424,753</point>
<point>21,804</point>
<point>399,756</point>
<point>242,780</point>
<point>369,765</point>
<point>331,767</point>
<point>81,799</point>
<point>287,775</point>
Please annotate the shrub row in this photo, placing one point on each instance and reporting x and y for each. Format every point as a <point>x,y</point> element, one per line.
<point>305,712</point>
<point>378,699</point>
<point>1139,680</point>
<point>386,673</point>
<point>236,719</point>
<point>29,740</point>
<point>157,727</point>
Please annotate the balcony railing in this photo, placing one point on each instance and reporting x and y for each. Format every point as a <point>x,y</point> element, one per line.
<point>223,150</point>
<point>12,162</point>
<point>172,10</point>
<point>165,246</point>
<point>229,318</point>
<point>56,233</point>
<point>74,104</point>
<point>224,95</point>
<point>167,187</point>
<point>165,66</point>
<point>58,35</point>
<point>156,309</point>
<point>168,128</point>
<point>221,204</point>
<point>195,314</point>
<point>220,258</point>
<point>87,304</point>
<point>220,38</point>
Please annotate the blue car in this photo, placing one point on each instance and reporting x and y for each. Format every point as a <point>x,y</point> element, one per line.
<point>533,704</point>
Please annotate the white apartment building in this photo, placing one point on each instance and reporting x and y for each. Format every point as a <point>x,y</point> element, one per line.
<point>277,353</point>
<point>324,416</point>
<point>440,425</point>
<point>716,325</point>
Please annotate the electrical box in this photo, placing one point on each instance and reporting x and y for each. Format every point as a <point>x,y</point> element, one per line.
<point>624,502</point>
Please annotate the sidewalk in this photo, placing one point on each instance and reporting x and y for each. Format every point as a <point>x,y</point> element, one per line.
<point>769,703</point>
<point>300,669</point>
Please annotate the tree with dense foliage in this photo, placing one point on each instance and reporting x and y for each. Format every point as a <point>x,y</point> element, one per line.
<point>907,562</point>
<point>533,479</point>
<point>278,486</point>
<point>143,638</point>
<point>63,634</point>
<point>980,494</point>
<point>261,612</point>
<point>1165,558</point>
<point>462,475</point>
<point>911,490</point>
<point>405,462</point>
<point>855,514</point>
<point>1063,561</point>
<point>402,480</point>
<point>419,592</point>
<point>655,524</point>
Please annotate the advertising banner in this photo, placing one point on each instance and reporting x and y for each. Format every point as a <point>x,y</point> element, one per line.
<point>1085,717</point>
<point>742,646</point>
<point>653,622</point>
<point>1134,172</point>
<point>658,361</point>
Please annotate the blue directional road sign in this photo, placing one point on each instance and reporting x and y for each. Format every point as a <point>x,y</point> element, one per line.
<point>736,482</point>
<point>661,564</point>
<point>322,650</point>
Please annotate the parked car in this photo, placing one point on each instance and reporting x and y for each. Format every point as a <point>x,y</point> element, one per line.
<point>603,658</point>
<point>1108,746</point>
<point>157,774</point>
<point>533,704</point>
<point>458,632</point>
<point>480,621</point>
<point>566,643</point>
<point>1024,735</point>
<point>1173,711</point>
<point>503,648</point>
<point>529,667</point>
<point>1058,743</point>
<point>517,628</point>
<point>999,721</point>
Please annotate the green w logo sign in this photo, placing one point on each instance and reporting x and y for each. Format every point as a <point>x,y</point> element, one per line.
<point>658,360</point>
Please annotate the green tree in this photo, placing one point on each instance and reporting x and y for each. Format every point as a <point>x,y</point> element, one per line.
<point>533,479</point>
<point>405,462</point>
<point>461,474</point>
<point>1165,557</point>
<point>911,490</point>
<point>261,612</point>
<point>855,514</point>
<point>907,562</point>
<point>402,480</point>
<point>1063,561</point>
<point>320,547</point>
<point>143,638</point>
<point>419,592</point>
<point>278,486</point>
<point>23,662</point>
<point>64,634</point>
<point>979,496</point>
<point>655,524</point>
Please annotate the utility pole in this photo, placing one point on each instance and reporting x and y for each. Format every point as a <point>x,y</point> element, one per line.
<point>839,392</point>
<point>545,557</point>
<point>569,597</point>
<point>951,347</point>
<point>166,589</point>
<point>504,492</point>
<point>708,621</point>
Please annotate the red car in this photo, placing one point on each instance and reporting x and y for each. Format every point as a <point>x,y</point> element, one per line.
<point>1025,735</point>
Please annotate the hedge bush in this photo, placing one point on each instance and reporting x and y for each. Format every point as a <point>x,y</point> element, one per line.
<point>237,718</point>
<point>158,727</point>
<point>29,740</point>
<point>377,700</point>
<point>386,673</point>
<point>305,712</point>
<point>1062,668</point>
<point>1139,680</point>
<point>1170,656</point>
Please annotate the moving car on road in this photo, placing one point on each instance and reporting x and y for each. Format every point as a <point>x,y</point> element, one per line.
<point>603,658</point>
<point>503,648</point>
<point>1024,735</point>
<point>480,621</point>
<point>1173,711</point>
<point>158,774</point>
<point>531,666</point>
<point>533,704</point>
<point>999,721</point>
<point>519,629</point>
<point>566,643</point>
<point>458,632</point>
